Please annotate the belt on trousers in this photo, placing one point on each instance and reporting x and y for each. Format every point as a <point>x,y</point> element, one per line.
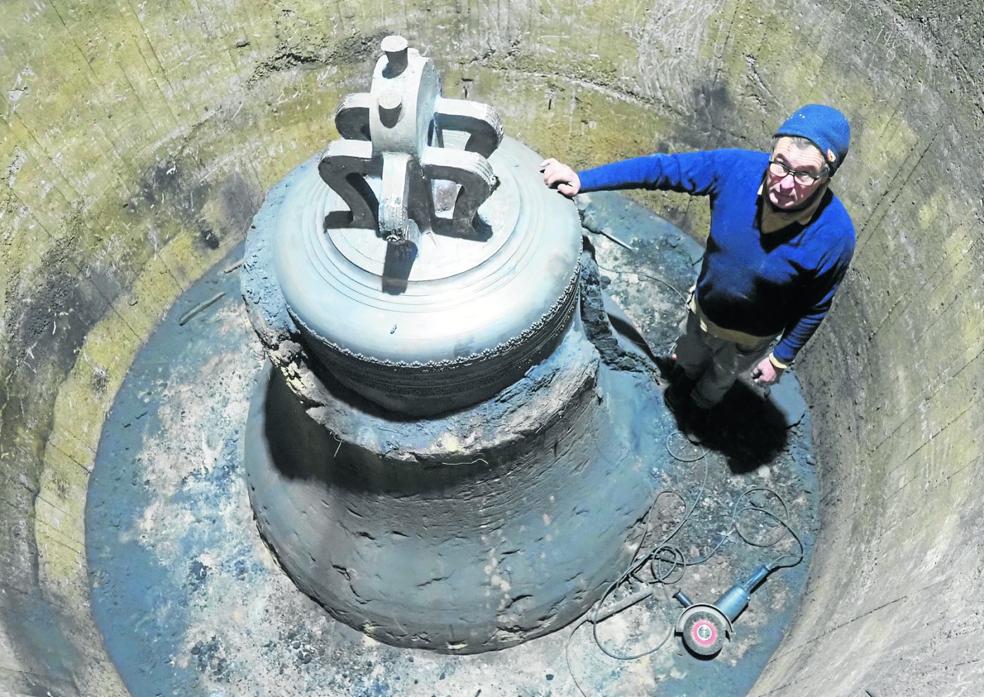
<point>706,325</point>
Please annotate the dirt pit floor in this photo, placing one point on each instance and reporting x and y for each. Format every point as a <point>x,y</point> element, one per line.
<point>191,603</point>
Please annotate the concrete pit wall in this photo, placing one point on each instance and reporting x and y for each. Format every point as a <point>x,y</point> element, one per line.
<point>137,141</point>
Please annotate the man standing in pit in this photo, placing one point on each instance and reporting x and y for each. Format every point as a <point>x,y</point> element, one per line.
<point>779,244</point>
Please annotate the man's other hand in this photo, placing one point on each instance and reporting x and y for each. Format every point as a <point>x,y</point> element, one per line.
<point>559,176</point>
<point>765,373</point>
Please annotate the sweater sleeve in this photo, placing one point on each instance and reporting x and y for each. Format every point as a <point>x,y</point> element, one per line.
<point>818,299</point>
<point>695,173</point>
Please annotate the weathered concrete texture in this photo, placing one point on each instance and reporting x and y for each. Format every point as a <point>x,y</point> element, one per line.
<point>187,113</point>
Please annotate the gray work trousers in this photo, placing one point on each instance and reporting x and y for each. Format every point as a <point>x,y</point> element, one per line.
<point>713,363</point>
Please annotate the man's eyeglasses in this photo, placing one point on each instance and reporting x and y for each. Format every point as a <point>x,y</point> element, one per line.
<point>780,169</point>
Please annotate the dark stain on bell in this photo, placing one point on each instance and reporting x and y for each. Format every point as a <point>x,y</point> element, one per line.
<point>207,236</point>
<point>197,574</point>
<point>210,658</point>
<point>397,267</point>
<point>451,448</point>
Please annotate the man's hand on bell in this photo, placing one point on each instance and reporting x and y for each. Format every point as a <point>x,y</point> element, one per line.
<point>766,372</point>
<point>559,176</point>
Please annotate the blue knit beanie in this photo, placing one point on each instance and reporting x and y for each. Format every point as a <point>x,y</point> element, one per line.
<point>825,127</point>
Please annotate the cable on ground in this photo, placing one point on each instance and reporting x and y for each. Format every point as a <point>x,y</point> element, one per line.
<point>666,563</point>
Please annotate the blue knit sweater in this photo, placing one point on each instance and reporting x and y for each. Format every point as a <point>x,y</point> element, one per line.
<point>763,285</point>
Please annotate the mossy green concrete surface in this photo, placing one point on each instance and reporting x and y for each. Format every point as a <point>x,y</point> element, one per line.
<point>138,139</point>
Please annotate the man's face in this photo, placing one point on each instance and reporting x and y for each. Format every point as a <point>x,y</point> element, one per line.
<point>793,186</point>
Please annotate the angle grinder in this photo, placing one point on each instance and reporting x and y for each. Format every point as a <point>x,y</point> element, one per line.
<point>705,627</point>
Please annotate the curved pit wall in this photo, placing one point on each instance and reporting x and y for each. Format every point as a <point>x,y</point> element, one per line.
<point>139,141</point>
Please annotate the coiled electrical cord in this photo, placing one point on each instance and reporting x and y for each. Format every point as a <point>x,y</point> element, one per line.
<point>667,562</point>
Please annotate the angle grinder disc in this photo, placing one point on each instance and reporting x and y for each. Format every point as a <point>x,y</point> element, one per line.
<point>703,633</point>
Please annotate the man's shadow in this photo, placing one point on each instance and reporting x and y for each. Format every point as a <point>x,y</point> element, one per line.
<point>745,427</point>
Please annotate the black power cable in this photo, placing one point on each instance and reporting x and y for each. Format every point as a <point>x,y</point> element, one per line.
<point>667,562</point>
